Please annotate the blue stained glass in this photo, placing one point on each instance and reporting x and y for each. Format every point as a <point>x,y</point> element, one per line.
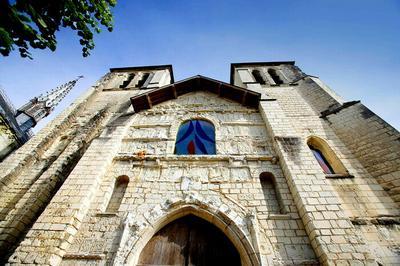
<point>322,161</point>
<point>195,137</point>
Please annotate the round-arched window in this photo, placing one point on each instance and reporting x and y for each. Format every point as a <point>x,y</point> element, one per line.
<point>195,137</point>
<point>325,156</point>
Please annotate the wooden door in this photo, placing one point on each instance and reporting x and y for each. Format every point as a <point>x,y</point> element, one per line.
<point>189,241</point>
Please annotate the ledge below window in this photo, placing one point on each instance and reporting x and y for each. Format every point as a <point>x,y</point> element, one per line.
<point>279,216</point>
<point>338,176</point>
<point>106,214</point>
<point>125,156</point>
<point>83,256</point>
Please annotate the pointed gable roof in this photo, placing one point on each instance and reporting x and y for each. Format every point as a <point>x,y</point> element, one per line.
<point>197,83</point>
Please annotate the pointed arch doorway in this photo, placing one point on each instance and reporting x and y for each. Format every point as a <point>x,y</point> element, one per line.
<point>189,241</point>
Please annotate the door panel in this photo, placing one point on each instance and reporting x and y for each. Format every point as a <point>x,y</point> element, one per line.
<point>189,241</point>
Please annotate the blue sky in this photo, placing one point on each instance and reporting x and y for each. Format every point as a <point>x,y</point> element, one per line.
<point>353,46</point>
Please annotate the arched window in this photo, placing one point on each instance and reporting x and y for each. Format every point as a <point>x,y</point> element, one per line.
<point>257,75</point>
<point>195,137</point>
<point>323,162</point>
<point>275,76</point>
<point>325,156</point>
<point>118,194</point>
<point>272,197</point>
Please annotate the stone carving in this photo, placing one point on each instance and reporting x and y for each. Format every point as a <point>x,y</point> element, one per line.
<point>212,205</point>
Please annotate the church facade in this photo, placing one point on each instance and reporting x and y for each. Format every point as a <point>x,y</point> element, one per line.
<point>273,168</point>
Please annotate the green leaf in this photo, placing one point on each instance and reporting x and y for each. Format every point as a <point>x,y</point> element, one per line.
<point>42,23</point>
<point>31,24</point>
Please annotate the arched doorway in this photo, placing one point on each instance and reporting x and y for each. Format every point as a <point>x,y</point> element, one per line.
<point>189,241</point>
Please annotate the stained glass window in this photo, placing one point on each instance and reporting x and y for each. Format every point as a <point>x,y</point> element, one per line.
<point>322,161</point>
<point>195,137</point>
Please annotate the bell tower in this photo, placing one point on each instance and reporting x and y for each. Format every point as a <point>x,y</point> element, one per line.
<point>39,107</point>
<point>256,75</point>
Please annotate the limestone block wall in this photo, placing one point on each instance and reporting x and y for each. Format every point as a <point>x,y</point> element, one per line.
<point>382,239</point>
<point>33,174</point>
<point>317,94</point>
<point>218,188</point>
<point>361,198</point>
<point>263,188</point>
<point>373,141</point>
<point>332,236</point>
<point>365,191</point>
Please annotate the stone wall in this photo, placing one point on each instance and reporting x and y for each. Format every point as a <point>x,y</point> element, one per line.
<point>161,182</point>
<point>373,141</point>
<point>56,188</point>
<point>362,196</point>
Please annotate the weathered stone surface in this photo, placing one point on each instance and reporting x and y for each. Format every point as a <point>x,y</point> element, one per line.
<point>56,188</point>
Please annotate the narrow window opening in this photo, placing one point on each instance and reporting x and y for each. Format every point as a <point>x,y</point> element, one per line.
<point>118,194</point>
<point>142,81</point>
<point>127,81</point>
<point>323,162</point>
<point>257,75</point>
<point>195,137</point>
<point>327,158</point>
<point>273,198</point>
<point>275,76</point>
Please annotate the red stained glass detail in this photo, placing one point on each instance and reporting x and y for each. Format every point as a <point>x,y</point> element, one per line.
<point>191,148</point>
<point>195,137</point>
